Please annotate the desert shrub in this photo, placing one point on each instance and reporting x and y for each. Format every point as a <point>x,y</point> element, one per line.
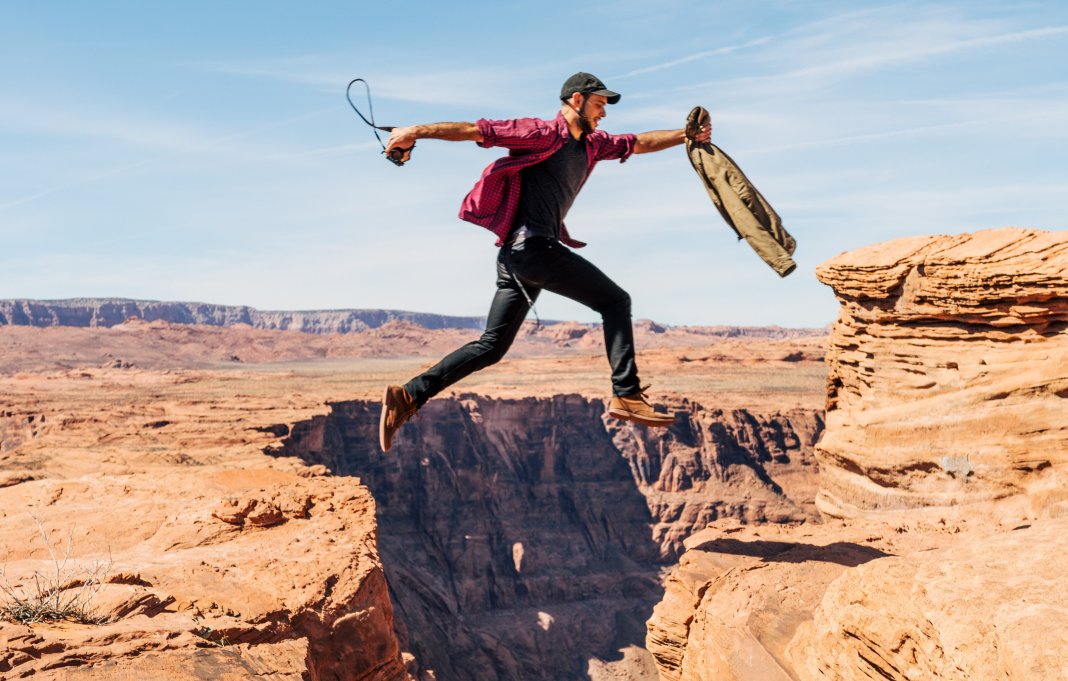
<point>64,591</point>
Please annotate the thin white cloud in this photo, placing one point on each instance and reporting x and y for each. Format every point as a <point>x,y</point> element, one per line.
<point>840,24</point>
<point>910,45</point>
<point>719,51</point>
<point>453,87</point>
<point>80,181</point>
<point>984,119</point>
<point>335,150</point>
<point>918,51</point>
<point>914,131</point>
<point>311,69</point>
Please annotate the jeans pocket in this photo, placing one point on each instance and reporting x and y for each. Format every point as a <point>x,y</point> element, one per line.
<point>539,261</point>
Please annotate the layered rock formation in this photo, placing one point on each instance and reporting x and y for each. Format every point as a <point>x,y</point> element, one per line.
<point>942,471</point>
<point>106,312</point>
<point>948,372</point>
<point>109,312</point>
<point>990,605</point>
<point>207,558</point>
<point>516,533</point>
<point>947,599</point>
<point>260,571</point>
<point>738,595</point>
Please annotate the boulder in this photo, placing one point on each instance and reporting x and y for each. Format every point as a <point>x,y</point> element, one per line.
<point>948,377</point>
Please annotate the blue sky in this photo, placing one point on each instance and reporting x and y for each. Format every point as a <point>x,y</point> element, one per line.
<point>205,151</point>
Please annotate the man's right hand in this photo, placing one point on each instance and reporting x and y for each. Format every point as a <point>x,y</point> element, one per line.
<point>403,138</point>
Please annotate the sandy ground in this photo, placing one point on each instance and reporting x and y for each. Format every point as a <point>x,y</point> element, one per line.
<point>756,368</point>
<point>132,398</point>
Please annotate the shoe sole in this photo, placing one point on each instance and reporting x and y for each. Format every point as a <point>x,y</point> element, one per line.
<point>629,416</point>
<point>382,422</point>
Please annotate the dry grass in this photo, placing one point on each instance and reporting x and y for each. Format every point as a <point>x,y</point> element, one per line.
<point>65,592</point>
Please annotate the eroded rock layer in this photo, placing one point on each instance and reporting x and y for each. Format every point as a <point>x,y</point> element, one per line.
<point>942,470</point>
<point>948,370</point>
<point>253,573</point>
<point>990,606</point>
<point>866,599</point>
<point>146,500</point>
<point>516,534</point>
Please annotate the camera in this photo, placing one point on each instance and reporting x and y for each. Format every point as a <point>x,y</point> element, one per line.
<point>396,155</point>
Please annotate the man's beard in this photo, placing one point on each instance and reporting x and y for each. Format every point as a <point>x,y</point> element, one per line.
<point>585,124</point>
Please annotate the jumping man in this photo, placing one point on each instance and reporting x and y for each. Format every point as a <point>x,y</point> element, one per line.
<point>523,199</point>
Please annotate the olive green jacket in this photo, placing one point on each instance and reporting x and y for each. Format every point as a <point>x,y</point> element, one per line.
<point>738,201</point>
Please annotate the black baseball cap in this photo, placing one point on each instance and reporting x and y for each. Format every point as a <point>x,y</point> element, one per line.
<point>587,84</point>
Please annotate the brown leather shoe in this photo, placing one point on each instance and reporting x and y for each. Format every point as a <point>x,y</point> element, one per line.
<point>397,407</point>
<point>633,407</point>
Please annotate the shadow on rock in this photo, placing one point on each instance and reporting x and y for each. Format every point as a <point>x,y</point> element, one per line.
<point>842,553</point>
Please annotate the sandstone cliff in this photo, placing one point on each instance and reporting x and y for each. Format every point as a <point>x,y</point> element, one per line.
<point>150,495</point>
<point>948,372</point>
<point>516,534</point>
<point>226,574</point>
<point>949,598</point>
<point>941,469</point>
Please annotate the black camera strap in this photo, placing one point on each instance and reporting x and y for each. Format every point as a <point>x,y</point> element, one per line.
<point>395,155</point>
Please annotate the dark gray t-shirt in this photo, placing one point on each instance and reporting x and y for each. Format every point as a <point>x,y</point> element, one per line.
<point>549,188</point>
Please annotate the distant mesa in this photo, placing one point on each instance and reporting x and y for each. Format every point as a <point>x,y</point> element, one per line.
<point>107,312</point>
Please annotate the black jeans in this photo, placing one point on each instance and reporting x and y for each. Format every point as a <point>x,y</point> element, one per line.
<point>541,264</point>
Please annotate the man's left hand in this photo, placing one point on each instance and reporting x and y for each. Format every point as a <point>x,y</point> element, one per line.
<point>704,134</point>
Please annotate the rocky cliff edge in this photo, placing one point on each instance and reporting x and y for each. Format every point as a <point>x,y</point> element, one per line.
<point>941,481</point>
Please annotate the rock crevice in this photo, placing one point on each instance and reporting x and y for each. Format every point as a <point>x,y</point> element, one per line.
<point>525,538</point>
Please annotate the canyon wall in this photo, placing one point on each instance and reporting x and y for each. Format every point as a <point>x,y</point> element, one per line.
<point>525,538</point>
<point>941,475</point>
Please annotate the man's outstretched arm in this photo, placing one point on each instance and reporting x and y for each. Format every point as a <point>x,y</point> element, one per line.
<point>405,137</point>
<point>663,139</point>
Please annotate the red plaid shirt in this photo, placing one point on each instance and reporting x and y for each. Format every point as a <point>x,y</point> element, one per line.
<point>495,199</point>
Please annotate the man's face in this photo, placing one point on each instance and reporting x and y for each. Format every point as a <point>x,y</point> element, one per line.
<point>593,111</point>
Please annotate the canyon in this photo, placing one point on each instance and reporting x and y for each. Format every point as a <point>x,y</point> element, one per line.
<point>249,525</point>
<point>516,533</point>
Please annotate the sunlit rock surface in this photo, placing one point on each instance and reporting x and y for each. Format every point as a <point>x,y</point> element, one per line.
<point>948,372</point>
<point>941,478</point>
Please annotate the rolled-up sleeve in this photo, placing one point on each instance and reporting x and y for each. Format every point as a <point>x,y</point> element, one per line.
<point>611,147</point>
<point>519,134</point>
